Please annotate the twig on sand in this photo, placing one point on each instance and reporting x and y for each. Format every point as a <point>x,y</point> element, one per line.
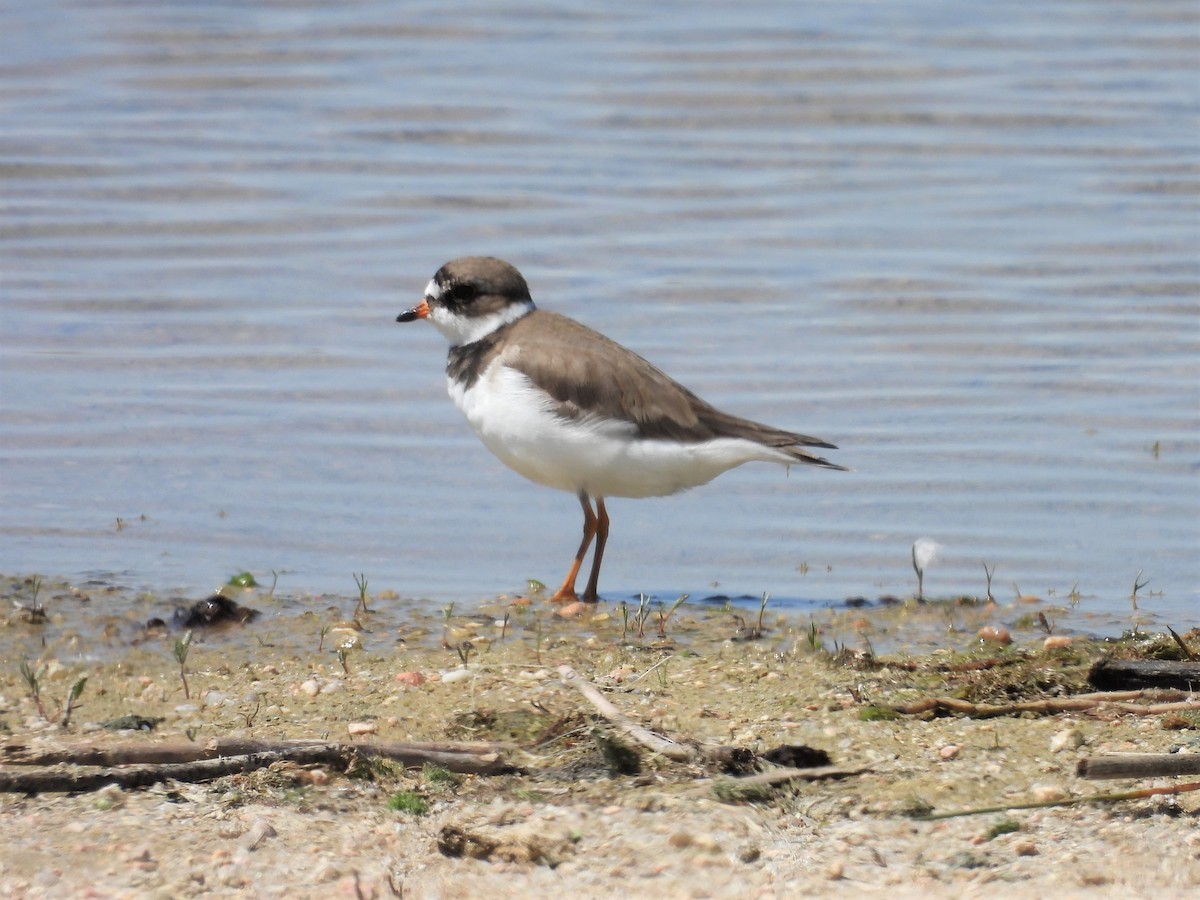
<point>1139,765</point>
<point>1115,701</point>
<point>645,737</point>
<point>141,765</point>
<point>1073,801</point>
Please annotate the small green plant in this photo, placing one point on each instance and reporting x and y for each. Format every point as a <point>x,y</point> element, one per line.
<point>1074,597</point>
<point>989,573</point>
<point>34,613</point>
<point>663,615</point>
<point>762,608</point>
<point>464,651</point>
<point>180,651</point>
<point>814,637</point>
<point>437,775</point>
<point>642,615</point>
<point>343,659</point>
<point>361,581</point>
<point>321,642</point>
<point>242,580</point>
<point>1138,584</point>
<point>33,682</point>
<point>73,700</point>
<point>408,802</point>
<point>536,588</point>
<point>447,616</point>
<point>1004,826</point>
<point>274,581</point>
<point>624,621</point>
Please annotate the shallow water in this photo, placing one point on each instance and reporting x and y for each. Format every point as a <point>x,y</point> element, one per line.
<point>960,241</point>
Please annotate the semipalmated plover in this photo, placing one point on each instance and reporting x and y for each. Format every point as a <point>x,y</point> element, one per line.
<point>569,408</point>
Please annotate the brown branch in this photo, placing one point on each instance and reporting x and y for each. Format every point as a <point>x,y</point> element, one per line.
<point>1175,701</point>
<point>1139,765</point>
<point>657,743</point>
<point>1072,801</point>
<point>406,753</point>
<point>198,762</point>
<point>51,780</point>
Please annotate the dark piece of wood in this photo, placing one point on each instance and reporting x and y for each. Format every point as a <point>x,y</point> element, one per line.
<point>203,762</point>
<point>1128,674</point>
<point>1139,765</point>
<point>476,757</point>
<point>39,781</point>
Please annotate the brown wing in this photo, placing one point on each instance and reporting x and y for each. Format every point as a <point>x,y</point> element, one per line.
<point>585,372</point>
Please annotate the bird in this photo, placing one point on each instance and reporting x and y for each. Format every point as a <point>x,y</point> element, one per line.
<point>571,409</point>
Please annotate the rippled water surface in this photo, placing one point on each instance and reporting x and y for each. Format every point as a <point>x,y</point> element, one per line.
<point>959,240</point>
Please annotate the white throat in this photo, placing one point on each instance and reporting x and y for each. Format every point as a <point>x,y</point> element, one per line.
<point>459,329</point>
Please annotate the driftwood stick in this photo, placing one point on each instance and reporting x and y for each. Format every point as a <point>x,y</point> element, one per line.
<point>1175,701</point>
<point>1073,801</point>
<point>51,780</point>
<point>198,762</point>
<point>1139,765</point>
<point>444,754</point>
<point>643,736</point>
<point>1109,674</point>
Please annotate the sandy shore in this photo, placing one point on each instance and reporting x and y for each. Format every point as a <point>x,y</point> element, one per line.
<point>568,824</point>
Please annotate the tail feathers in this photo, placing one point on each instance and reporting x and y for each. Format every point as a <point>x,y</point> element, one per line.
<point>803,456</point>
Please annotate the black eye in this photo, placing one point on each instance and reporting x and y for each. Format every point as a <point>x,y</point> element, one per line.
<point>463,293</point>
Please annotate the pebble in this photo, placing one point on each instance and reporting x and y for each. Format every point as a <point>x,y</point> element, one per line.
<point>1056,642</point>
<point>412,679</point>
<point>1046,793</point>
<point>1067,739</point>
<point>310,687</point>
<point>357,728</point>
<point>572,610</point>
<point>454,675</point>
<point>260,829</point>
<point>950,751</point>
<point>995,633</point>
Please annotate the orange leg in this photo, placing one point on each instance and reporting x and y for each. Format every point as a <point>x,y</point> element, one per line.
<point>567,591</point>
<point>590,594</point>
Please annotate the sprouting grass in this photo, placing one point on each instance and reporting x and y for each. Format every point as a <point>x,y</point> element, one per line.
<point>1138,584</point>
<point>33,682</point>
<point>1004,826</point>
<point>439,776</point>
<point>408,802</point>
<point>361,581</point>
<point>664,615</point>
<point>180,652</point>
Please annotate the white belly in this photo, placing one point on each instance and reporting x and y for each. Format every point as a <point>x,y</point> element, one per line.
<point>601,457</point>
